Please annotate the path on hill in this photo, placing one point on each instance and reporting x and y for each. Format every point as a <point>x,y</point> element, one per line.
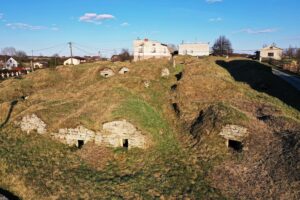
<point>293,80</point>
<point>11,108</point>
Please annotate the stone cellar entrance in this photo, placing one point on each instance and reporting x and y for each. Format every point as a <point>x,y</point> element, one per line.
<point>235,137</point>
<point>235,145</point>
<point>125,143</point>
<point>80,144</point>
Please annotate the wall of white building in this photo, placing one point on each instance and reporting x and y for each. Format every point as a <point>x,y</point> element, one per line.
<point>194,49</point>
<point>271,52</point>
<point>11,63</point>
<point>146,49</point>
<point>69,61</point>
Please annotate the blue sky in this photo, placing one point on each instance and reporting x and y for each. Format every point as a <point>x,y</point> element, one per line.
<point>109,25</point>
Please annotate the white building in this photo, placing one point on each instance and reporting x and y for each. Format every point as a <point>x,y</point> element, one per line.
<point>40,65</point>
<point>146,49</point>
<point>272,52</point>
<point>194,49</point>
<point>11,63</point>
<point>72,61</point>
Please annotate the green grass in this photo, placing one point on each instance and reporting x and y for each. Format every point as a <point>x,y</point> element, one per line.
<point>178,68</point>
<point>233,115</point>
<point>50,169</point>
<point>147,118</point>
<point>37,167</point>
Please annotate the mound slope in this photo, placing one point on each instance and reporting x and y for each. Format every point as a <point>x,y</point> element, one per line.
<point>182,113</point>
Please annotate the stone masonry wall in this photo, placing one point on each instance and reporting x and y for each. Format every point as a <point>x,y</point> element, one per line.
<point>234,132</point>
<point>71,136</point>
<point>113,134</point>
<point>33,123</point>
<point>118,131</point>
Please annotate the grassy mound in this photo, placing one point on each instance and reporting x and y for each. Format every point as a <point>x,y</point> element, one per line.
<point>37,167</point>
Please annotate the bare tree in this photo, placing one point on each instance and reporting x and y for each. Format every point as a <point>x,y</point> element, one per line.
<point>9,51</point>
<point>222,46</point>
<point>125,55</point>
<point>21,54</point>
<point>298,55</point>
<point>290,52</point>
<point>56,55</point>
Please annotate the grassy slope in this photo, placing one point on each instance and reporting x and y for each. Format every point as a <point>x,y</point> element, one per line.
<point>42,168</point>
<point>207,83</point>
<point>36,167</point>
<point>207,87</point>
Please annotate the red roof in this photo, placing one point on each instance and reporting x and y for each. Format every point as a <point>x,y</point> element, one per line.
<point>19,68</point>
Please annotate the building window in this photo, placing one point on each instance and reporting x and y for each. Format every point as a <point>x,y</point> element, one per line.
<point>185,52</point>
<point>270,54</point>
<point>153,50</point>
<point>141,49</point>
<point>192,51</point>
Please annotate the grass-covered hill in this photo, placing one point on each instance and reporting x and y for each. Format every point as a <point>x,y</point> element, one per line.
<point>182,114</point>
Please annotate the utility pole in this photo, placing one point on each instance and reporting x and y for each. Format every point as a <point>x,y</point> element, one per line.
<point>31,60</point>
<point>71,52</point>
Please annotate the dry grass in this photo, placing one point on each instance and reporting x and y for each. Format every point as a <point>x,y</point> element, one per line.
<point>172,169</point>
<point>206,85</point>
<point>95,156</point>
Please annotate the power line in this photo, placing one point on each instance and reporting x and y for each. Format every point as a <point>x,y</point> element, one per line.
<point>62,49</point>
<point>89,53</point>
<point>97,49</point>
<point>52,47</point>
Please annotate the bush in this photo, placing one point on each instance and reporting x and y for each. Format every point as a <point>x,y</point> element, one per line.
<point>123,56</point>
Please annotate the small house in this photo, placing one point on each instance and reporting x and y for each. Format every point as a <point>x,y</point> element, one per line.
<point>75,61</point>
<point>271,52</point>
<point>11,64</point>
<point>194,49</point>
<point>40,65</point>
<point>147,49</point>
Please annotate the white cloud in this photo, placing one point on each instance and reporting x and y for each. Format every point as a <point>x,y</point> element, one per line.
<point>95,18</point>
<point>218,19</point>
<point>24,26</point>
<point>257,31</point>
<point>125,24</point>
<point>213,1</point>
